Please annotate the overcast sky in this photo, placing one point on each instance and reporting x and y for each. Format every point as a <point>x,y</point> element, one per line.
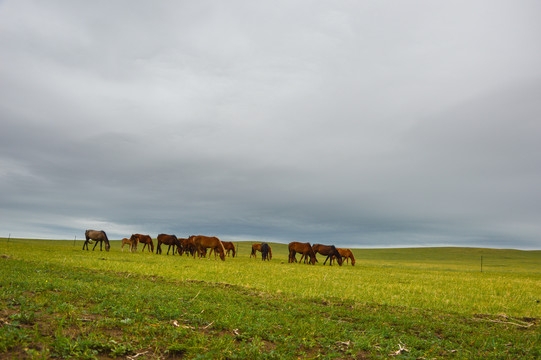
<point>355,123</point>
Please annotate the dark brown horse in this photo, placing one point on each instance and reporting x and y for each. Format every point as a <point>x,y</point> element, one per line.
<point>98,237</point>
<point>170,240</point>
<point>202,243</point>
<point>144,239</point>
<point>229,247</point>
<point>347,254</point>
<point>303,248</point>
<point>255,249</point>
<point>132,244</point>
<point>329,251</point>
<point>187,246</point>
<point>266,252</point>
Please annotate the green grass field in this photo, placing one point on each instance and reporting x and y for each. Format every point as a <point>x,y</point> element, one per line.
<point>57,300</point>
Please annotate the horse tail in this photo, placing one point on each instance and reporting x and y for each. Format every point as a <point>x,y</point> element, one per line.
<point>352,258</point>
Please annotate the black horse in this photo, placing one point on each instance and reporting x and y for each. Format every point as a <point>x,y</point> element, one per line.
<point>266,252</point>
<point>97,236</point>
<point>333,254</point>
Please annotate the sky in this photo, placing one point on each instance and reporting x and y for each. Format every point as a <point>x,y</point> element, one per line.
<point>362,124</point>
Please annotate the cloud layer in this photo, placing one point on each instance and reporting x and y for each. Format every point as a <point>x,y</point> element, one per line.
<point>369,125</point>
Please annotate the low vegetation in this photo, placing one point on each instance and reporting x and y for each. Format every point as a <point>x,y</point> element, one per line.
<point>58,301</point>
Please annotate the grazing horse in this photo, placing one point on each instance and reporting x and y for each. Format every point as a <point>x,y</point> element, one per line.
<point>97,236</point>
<point>304,248</point>
<point>229,246</point>
<point>132,244</point>
<point>266,252</point>
<point>170,240</point>
<point>186,246</point>
<point>347,254</point>
<point>202,243</point>
<point>144,239</point>
<point>255,248</point>
<point>330,251</point>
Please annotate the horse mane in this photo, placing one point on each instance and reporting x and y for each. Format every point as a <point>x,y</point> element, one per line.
<point>222,245</point>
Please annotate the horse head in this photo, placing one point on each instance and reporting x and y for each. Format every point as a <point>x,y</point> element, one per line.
<point>221,250</point>
<point>337,255</point>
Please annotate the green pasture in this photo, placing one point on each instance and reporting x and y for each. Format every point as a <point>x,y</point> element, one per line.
<point>434,302</point>
<point>448,279</point>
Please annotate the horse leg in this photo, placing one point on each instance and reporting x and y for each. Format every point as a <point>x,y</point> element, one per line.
<point>292,257</point>
<point>329,257</point>
<point>95,245</point>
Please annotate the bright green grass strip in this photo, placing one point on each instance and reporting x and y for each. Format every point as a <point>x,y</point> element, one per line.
<point>73,312</point>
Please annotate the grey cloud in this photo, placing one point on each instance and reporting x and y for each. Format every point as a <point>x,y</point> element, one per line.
<point>371,124</point>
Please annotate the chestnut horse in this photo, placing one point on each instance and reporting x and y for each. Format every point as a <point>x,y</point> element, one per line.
<point>266,252</point>
<point>187,246</point>
<point>132,244</point>
<point>144,239</point>
<point>304,248</point>
<point>347,254</point>
<point>229,246</point>
<point>202,243</point>
<point>170,240</point>
<point>97,236</point>
<point>330,251</point>
<point>255,248</point>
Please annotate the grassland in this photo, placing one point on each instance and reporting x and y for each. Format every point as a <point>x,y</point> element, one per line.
<point>59,301</point>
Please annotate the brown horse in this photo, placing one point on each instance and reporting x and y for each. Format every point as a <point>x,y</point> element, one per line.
<point>330,251</point>
<point>170,240</point>
<point>132,244</point>
<point>97,236</point>
<point>255,248</point>
<point>202,243</point>
<point>347,254</point>
<point>144,239</point>
<point>229,247</point>
<point>304,248</point>
<point>266,252</point>
<point>187,246</point>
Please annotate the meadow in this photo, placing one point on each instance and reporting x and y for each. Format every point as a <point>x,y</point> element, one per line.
<point>59,301</point>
